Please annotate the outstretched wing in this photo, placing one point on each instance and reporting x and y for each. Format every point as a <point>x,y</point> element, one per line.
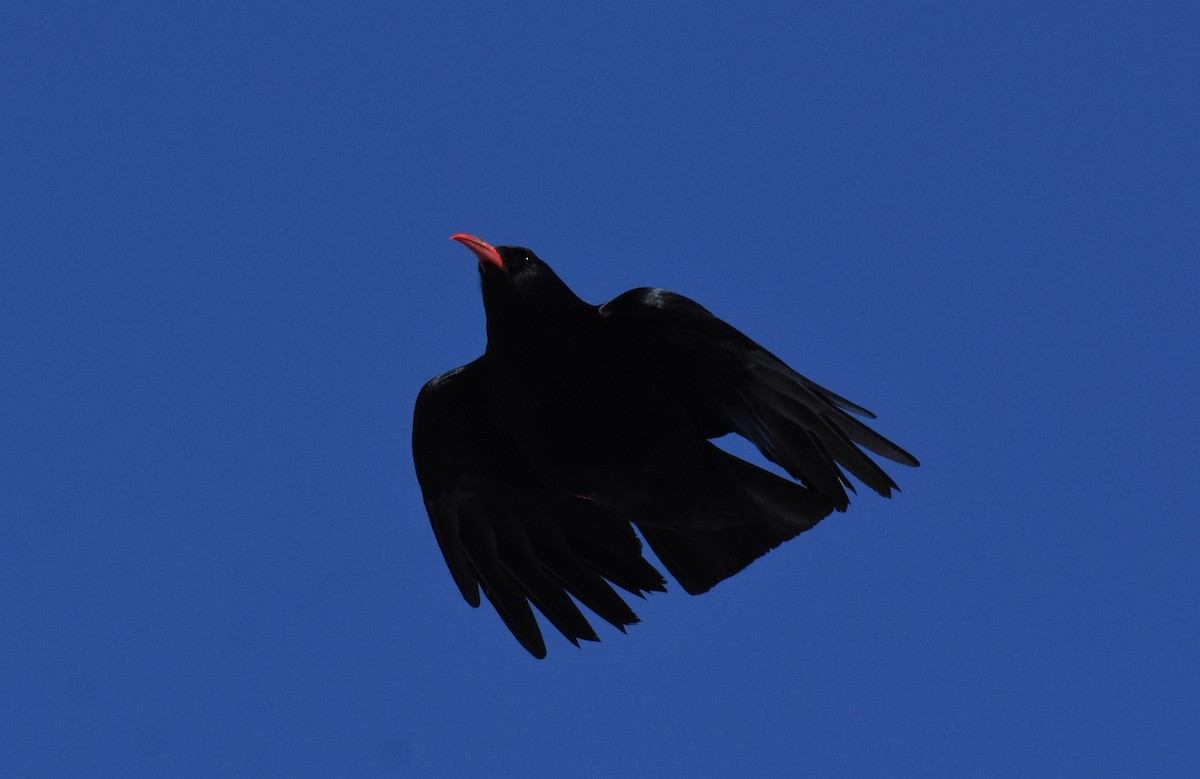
<point>730,384</point>
<point>501,530</point>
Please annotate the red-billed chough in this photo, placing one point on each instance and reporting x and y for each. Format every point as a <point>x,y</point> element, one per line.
<point>579,421</point>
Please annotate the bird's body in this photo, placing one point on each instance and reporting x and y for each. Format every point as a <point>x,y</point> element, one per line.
<point>580,419</point>
<point>589,424</point>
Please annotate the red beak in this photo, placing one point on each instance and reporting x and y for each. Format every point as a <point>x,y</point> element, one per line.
<point>480,248</point>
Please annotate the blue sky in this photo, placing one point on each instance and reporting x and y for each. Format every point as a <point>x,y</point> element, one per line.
<point>225,274</point>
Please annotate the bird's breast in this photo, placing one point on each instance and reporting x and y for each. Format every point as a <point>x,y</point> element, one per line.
<point>591,425</point>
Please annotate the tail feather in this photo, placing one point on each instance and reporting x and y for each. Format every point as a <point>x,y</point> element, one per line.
<point>781,503</point>
<point>700,558</point>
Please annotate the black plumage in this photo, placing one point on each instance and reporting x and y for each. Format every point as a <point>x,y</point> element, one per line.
<point>580,421</point>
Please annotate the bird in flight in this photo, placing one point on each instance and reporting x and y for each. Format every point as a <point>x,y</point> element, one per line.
<point>579,422</point>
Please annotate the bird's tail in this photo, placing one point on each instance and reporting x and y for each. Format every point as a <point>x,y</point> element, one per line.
<point>700,558</point>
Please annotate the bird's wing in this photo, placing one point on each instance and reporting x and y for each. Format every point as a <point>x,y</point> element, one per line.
<point>501,530</point>
<point>730,384</point>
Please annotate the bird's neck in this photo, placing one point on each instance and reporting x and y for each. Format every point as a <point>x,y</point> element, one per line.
<point>527,321</point>
<point>539,333</point>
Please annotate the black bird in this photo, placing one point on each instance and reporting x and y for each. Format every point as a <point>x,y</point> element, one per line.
<point>578,420</point>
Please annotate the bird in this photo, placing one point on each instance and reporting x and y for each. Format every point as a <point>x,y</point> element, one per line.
<point>580,422</point>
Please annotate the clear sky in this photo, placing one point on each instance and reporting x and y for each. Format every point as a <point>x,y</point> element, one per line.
<point>225,274</point>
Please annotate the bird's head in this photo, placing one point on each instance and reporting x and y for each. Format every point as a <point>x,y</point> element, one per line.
<point>515,280</point>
